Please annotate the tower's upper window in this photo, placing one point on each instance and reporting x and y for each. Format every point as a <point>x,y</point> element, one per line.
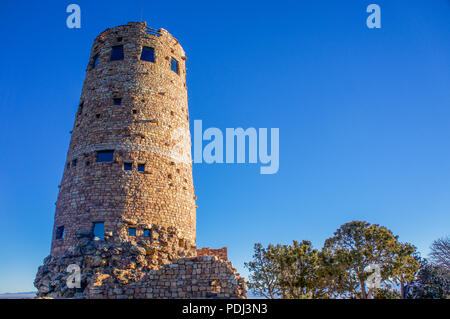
<point>59,232</point>
<point>116,53</point>
<point>148,54</point>
<point>105,156</point>
<point>132,231</point>
<point>141,168</point>
<point>127,166</point>
<point>95,61</point>
<point>74,162</point>
<point>174,66</point>
<point>117,101</point>
<point>99,231</point>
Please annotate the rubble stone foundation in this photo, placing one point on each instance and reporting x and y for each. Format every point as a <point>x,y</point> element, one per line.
<point>112,269</point>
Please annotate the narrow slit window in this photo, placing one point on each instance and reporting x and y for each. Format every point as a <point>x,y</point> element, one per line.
<point>74,162</point>
<point>141,168</point>
<point>148,54</point>
<point>146,233</point>
<point>105,156</point>
<point>132,232</point>
<point>80,108</point>
<point>116,53</point>
<point>127,166</point>
<point>117,101</point>
<point>95,61</point>
<point>99,231</point>
<point>60,232</point>
<point>174,65</point>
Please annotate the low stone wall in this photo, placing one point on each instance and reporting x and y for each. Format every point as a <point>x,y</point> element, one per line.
<point>222,253</point>
<point>195,277</point>
<point>142,269</point>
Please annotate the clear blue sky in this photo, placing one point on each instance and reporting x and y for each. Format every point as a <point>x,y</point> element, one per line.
<point>363,116</point>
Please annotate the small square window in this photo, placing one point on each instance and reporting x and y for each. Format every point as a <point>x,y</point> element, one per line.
<point>141,168</point>
<point>116,53</point>
<point>74,162</point>
<point>95,61</point>
<point>60,232</point>
<point>99,230</point>
<point>148,54</point>
<point>105,156</point>
<point>88,163</point>
<point>127,166</point>
<point>132,232</point>
<point>174,65</point>
<point>147,233</point>
<point>117,101</point>
<point>119,39</point>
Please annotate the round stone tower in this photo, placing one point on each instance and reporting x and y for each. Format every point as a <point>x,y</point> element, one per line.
<point>128,169</point>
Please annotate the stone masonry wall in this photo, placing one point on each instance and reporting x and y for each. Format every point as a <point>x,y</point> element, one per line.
<point>196,277</point>
<point>221,253</point>
<point>144,129</point>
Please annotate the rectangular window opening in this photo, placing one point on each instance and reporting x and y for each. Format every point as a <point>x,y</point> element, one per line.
<point>95,61</point>
<point>116,53</point>
<point>117,101</point>
<point>174,66</point>
<point>141,168</point>
<point>98,230</point>
<point>105,156</point>
<point>127,166</point>
<point>147,233</point>
<point>60,232</point>
<point>148,54</point>
<point>132,232</point>
<point>74,162</point>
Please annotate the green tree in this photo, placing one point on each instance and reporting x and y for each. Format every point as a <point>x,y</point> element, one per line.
<point>264,272</point>
<point>433,282</point>
<point>353,248</point>
<point>347,261</point>
<point>286,271</point>
<point>300,271</point>
<point>386,293</point>
<point>404,266</point>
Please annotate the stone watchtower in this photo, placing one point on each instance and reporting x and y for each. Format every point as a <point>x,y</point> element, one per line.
<point>125,161</point>
<point>126,212</point>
